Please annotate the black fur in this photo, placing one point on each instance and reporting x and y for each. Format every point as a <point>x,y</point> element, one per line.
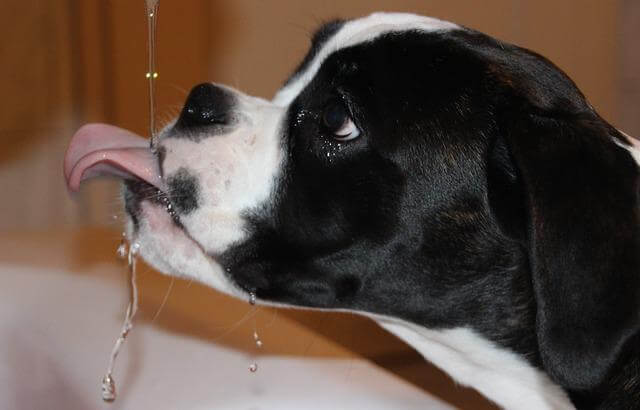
<point>183,191</point>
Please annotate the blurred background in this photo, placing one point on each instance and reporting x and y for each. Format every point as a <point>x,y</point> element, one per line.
<point>67,62</point>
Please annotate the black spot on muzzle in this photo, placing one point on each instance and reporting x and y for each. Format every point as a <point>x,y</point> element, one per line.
<point>183,191</point>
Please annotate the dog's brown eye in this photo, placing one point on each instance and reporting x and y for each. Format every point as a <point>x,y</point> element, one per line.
<point>338,121</point>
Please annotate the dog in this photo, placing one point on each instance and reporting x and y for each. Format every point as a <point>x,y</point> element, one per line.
<point>458,190</point>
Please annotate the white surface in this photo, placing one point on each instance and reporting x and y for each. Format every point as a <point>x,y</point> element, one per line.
<point>57,329</point>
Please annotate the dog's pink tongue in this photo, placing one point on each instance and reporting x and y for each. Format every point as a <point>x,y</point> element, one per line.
<point>102,149</point>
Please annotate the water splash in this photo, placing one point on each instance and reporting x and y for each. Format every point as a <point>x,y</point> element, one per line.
<point>108,383</point>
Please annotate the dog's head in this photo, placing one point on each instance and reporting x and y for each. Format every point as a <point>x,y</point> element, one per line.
<point>413,169</point>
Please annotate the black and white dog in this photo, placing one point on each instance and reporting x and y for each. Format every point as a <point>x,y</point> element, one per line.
<point>458,190</point>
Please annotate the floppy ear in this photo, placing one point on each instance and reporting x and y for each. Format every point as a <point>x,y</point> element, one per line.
<point>578,192</point>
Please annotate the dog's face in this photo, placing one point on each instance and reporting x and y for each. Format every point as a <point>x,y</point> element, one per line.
<point>410,169</point>
<point>314,199</point>
<point>360,186</point>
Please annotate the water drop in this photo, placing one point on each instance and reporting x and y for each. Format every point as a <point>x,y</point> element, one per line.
<point>134,249</point>
<point>108,388</point>
<point>252,298</point>
<point>257,339</point>
<point>122,249</point>
<point>253,367</point>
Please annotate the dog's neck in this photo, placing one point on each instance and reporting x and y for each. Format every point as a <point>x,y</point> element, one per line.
<point>471,360</point>
<point>507,378</point>
<point>501,361</point>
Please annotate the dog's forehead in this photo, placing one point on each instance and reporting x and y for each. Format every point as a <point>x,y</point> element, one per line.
<point>354,32</point>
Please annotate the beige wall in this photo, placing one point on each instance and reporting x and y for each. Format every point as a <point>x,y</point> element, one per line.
<point>578,35</point>
<point>628,68</point>
<point>67,62</point>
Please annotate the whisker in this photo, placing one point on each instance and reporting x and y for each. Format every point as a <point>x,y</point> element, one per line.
<point>179,88</point>
<point>164,300</point>
<point>273,318</point>
<point>251,313</point>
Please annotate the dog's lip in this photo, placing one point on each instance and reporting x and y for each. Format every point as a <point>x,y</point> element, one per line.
<point>103,149</point>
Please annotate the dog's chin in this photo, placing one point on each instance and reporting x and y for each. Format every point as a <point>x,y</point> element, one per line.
<point>166,246</point>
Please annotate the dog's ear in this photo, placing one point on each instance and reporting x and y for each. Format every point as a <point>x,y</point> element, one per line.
<point>571,195</point>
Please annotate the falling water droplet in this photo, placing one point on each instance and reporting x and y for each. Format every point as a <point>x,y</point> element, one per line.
<point>252,298</point>
<point>108,388</point>
<point>122,249</point>
<point>135,247</point>
<point>253,367</point>
<point>257,339</point>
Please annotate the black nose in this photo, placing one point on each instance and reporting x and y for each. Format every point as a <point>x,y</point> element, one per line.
<point>207,104</point>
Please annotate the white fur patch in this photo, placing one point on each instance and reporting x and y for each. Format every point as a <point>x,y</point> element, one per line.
<point>235,172</point>
<point>355,32</point>
<point>471,360</point>
<point>170,250</point>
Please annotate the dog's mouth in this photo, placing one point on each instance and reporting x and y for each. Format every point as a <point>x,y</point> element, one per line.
<point>105,150</point>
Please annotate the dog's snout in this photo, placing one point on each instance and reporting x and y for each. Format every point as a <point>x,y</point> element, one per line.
<point>207,104</point>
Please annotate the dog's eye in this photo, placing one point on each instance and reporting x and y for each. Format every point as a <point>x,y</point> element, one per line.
<point>337,120</point>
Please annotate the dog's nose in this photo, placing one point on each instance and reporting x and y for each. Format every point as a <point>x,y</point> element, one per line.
<point>207,104</point>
